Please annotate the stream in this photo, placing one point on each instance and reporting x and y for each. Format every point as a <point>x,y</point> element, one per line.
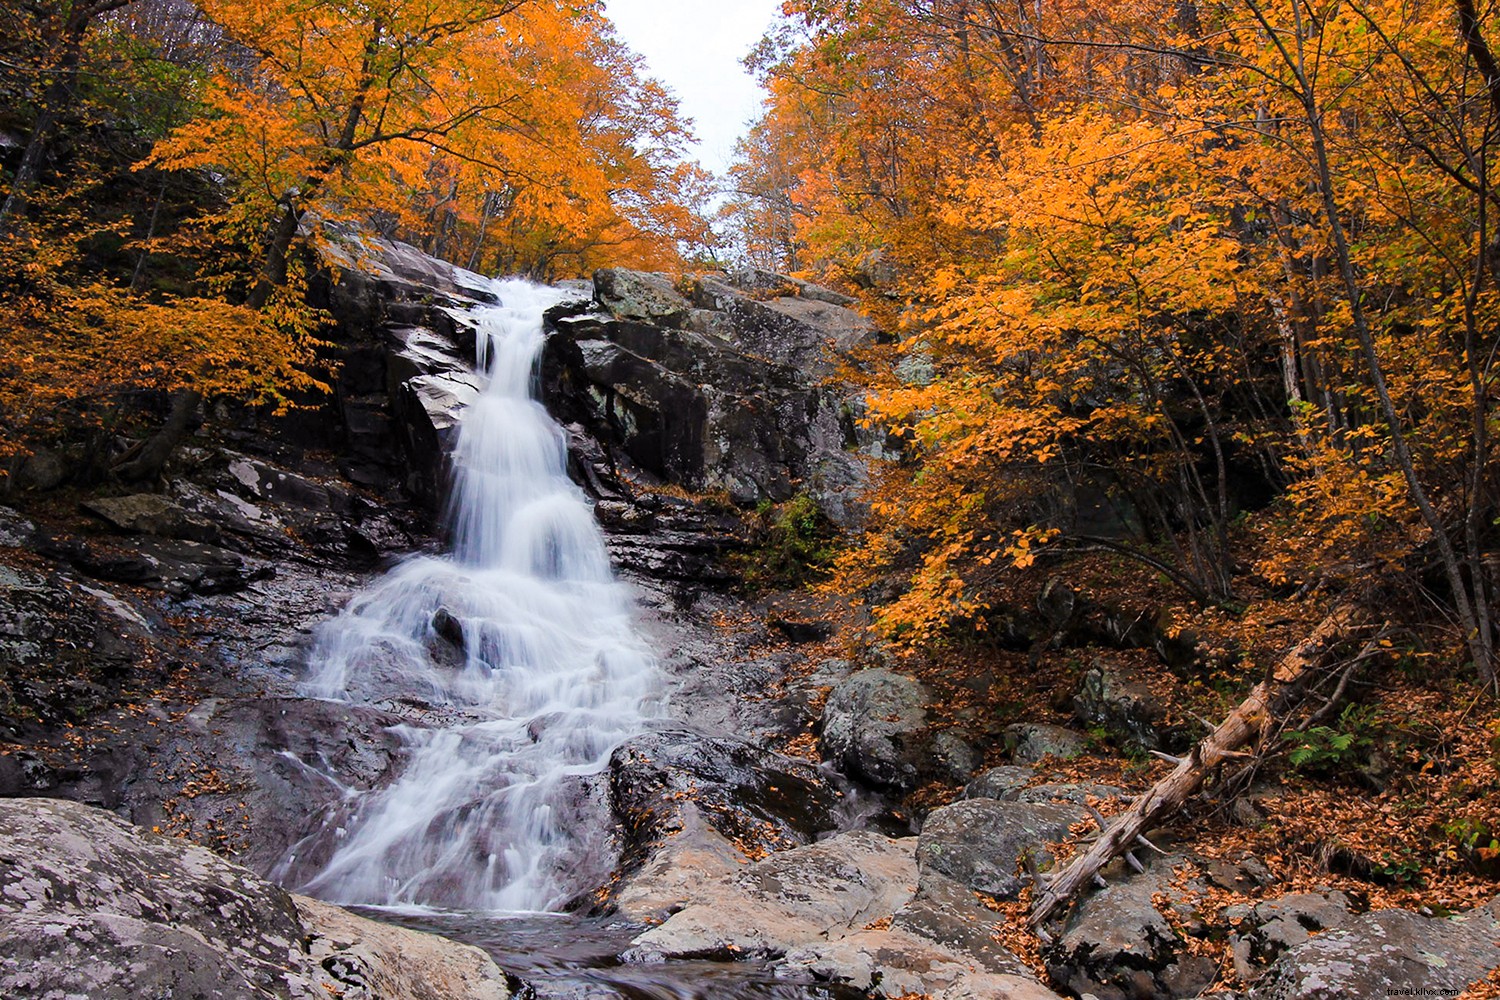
<point>519,644</point>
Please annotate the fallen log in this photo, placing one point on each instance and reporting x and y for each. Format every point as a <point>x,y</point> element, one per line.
<point>1254,718</point>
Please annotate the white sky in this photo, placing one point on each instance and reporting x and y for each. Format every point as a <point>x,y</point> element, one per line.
<point>695,47</point>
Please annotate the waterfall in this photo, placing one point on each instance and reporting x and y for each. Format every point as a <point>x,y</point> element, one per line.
<point>521,642</point>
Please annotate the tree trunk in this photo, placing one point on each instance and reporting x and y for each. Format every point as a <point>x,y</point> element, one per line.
<point>148,463</point>
<point>1256,714</point>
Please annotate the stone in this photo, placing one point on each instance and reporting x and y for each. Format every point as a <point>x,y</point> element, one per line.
<point>91,906</point>
<point>1388,950</point>
<point>1029,742</point>
<point>15,530</point>
<point>1000,783</point>
<point>640,296</point>
<point>829,889</point>
<point>1080,794</point>
<point>1124,707</point>
<point>875,728</point>
<point>988,846</point>
<point>150,514</point>
<point>1119,946</point>
<point>669,781</point>
<point>1260,935</point>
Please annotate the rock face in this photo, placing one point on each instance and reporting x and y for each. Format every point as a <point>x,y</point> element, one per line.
<point>1389,950</point>
<point>705,385</point>
<point>692,805</point>
<point>90,906</point>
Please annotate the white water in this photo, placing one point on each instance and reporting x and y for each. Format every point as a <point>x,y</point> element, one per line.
<point>498,808</point>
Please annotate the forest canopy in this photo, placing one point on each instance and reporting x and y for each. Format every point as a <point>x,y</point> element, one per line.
<point>1207,287</point>
<point>173,162</point>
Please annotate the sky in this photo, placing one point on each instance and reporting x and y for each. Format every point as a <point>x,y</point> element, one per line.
<point>695,47</point>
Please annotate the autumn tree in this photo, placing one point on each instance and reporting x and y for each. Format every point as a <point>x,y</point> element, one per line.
<point>1222,273</point>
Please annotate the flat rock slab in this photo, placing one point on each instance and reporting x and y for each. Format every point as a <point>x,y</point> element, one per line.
<point>847,909</point>
<point>93,907</point>
<point>1389,950</point>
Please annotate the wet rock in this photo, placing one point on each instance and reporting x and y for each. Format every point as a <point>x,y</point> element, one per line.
<point>1262,932</point>
<point>1388,950</point>
<point>65,650</point>
<point>801,632</point>
<point>1125,707</point>
<point>150,514</point>
<point>1029,742</point>
<point>448,628</point>
<point>1119,946</point>
<point>875,728</point>
<point>178,567</point>
<point>828,889</point>
<point>750,796</point>
<point>91,906</point>
<point>988,846</point>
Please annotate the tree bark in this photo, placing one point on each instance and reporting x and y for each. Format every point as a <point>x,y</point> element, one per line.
<point>148,463</point>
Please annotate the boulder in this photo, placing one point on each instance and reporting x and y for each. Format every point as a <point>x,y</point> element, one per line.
<point>988,846</point>
<point>1262,932</point>
<point>91,906</point>
<point>1123,706</point>
<point>875,729</point>
<point>1000,783</point>
<point>1029,742</point>
<point>1389,950</point>
<point>1077,793</point>
<point>844,910</point>
<point>829,889</point>
<point>1119,946</point>
<point>671,782</point>
<point>150,514</point>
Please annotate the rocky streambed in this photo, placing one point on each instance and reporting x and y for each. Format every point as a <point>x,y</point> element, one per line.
<point>753,840</point>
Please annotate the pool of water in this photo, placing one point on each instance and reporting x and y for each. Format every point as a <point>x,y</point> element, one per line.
<point>572,958</point>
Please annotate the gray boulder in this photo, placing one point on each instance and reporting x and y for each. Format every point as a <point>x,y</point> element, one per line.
<point>1389,950</point>
<point>1122,705</point>
<point>1003,784</point>
<point>989,846</point>
<point>1119,946</point>
<point>875,728</point>
<point>1261,933</point>
<point>1029,742</point>
<point>845,910</point>
<point>91,906</point>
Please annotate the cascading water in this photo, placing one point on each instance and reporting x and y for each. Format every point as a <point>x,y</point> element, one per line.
<point>521,642</point>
